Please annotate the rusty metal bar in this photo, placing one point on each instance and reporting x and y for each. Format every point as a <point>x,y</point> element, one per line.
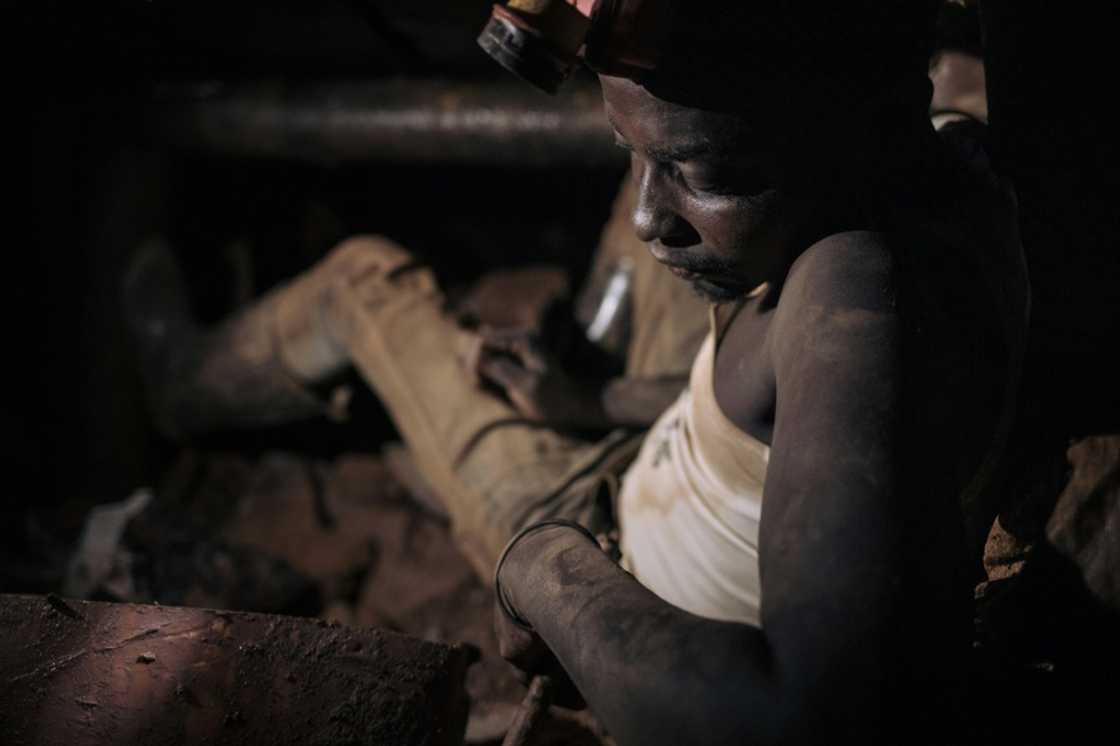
<point>74,672</point>
<point>408,121</point>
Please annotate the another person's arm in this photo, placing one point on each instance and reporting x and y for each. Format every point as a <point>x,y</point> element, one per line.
<point>539,386</point>
<point>845,601</point>
<point>638,402</point>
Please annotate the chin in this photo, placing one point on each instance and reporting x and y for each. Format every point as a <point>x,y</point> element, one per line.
<point>715,291</point>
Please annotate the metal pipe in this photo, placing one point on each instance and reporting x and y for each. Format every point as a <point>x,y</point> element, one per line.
<point>406,121</point>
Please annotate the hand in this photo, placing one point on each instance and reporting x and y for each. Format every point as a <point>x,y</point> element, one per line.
<point>515,361</point>
<point>522,648</point>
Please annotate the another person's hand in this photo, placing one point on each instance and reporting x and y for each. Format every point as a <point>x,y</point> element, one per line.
<point>536,384</point>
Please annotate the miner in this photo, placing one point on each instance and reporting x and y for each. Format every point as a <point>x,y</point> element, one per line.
<point>796,529</point>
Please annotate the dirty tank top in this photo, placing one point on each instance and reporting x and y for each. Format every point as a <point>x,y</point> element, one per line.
<point>690,504</point>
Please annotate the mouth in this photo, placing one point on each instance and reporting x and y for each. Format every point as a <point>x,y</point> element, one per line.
<point>672,262</point>
<point>687,270</point>
<point>716,283</point>
<point>660,253</point>
<point>685,274</point>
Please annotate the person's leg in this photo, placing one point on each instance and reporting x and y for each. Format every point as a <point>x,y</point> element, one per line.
<point>493,470</point>
<point>371,305</point>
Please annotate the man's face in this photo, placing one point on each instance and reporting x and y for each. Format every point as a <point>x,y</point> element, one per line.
<point>710,204</point>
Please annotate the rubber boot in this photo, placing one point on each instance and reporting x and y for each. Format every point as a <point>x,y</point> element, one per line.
<point>254,369</point>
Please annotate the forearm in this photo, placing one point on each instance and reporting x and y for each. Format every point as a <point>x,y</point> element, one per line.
<point>542,389</point>
<point>638,402</point>
<point>651,672</point>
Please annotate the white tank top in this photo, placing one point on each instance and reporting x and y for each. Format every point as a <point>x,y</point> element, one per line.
<point>690,504</point>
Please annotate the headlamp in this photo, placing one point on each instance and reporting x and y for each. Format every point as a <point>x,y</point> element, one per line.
<point>542,41</point>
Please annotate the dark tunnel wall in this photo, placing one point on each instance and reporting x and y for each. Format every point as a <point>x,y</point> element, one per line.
<point>1050,80</point>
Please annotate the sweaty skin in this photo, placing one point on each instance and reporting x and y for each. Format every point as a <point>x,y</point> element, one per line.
<point>865,616</point>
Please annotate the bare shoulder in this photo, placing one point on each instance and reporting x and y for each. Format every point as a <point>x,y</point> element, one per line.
<point>855,269</point>
<point>842,290</point>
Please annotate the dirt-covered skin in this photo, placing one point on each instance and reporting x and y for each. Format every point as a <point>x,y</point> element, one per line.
<point>76,672</point>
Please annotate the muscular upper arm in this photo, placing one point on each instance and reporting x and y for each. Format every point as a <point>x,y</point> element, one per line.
<point>832,523</point>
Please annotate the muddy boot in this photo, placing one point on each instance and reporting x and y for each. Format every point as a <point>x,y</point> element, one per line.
<point>253,370</point>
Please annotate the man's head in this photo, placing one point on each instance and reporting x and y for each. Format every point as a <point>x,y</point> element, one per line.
<point>757,131</point>
<point>709,204</point>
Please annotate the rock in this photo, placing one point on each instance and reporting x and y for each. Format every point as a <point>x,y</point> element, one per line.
<point>1085,524</point>
<point>218,677</point>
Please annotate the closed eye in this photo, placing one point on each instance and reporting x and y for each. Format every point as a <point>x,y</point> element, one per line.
<point>725,180</point>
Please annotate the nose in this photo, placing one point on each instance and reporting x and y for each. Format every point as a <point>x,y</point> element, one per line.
<point>655,215</point>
